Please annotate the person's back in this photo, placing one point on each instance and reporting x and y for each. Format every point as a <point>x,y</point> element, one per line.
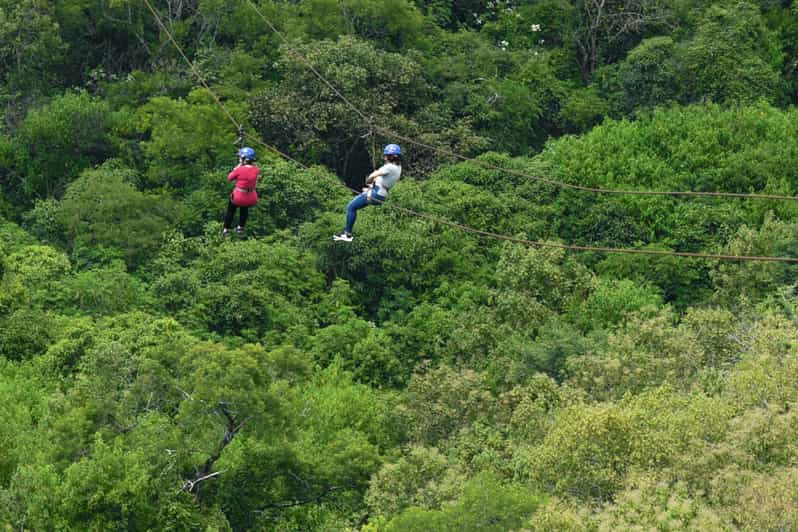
<point>246,178</point>
<point>390,174</point>
<point>244,194</point>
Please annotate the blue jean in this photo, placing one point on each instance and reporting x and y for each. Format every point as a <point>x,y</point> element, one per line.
<point>358,202</point>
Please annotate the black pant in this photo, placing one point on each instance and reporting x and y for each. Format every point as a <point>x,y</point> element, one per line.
<point>231,210</point>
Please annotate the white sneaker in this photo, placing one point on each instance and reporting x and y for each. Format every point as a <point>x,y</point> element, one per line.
<point>343,237</point>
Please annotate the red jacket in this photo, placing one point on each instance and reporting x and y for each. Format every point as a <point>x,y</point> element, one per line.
<point>246,178</point>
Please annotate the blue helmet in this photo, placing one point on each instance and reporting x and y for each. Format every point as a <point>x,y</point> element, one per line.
<point>392,149</point>
<point>247,153</point>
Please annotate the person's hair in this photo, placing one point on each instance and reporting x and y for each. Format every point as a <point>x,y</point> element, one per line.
<point>395,159</point>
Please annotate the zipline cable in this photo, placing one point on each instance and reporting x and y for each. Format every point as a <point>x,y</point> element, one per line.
<point>559,184</point>
<point>463,227</point>
<point>582,188</point>
<point>307,63</point>
<point>539,244</point>
<point>191,65</point>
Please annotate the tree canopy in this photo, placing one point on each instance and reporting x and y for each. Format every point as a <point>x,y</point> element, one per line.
<point>155,375</point>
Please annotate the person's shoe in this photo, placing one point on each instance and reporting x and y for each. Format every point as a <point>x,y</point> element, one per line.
<point>343,237</point>
<point>225,233</point>
<point>240,230</point>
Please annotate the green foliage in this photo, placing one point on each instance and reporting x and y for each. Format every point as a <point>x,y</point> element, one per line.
<point>43,221</point>
<point>12,238</point>
<point>395,252</point>
<point>486,504</point>
<point>103,209</point>
<point>332,404</point>
<point>646,352</point>
<point>108,491</point>
<point>582,109</point>
<point>520,112</point>
<point>645,79</point>
<point>610,302</point>
<point>305,117</point>
<point>362,349</point>
<point>32,498</point>
<point>733,58</point>
<point>557,341</point>
<point>661,506</point>
<point>768,502</point>
<point>185,137</point>
<point>658,151</point>
<point>30,271</point>
<point>26,333</point>
<point>681,282</point>
<point>753,281</point>
<point>764,376</point>
<point>589,450</point>
<point>138,87</point>
<point>100,291</point>
<point>585,453</point>
<point>555,514</point>
<point>104,40</point>
<point>35,265</point>
<point>741,150</point>
<point>227,379</point>
<point>441,401</point>
<point>288,197</point>
<point>453,15</point>
<point>237,68</point>
<point>417,479</point>
<point>23,396</point>
<point>544,274</point>
<point>155,375</point>
<point>31,47</point>
<point>393,24</point>
<point>58,140</point>
<point>252,289</point>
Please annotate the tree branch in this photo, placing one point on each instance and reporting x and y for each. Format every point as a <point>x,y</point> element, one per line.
<point>190,485</point>
<point>231,429</point>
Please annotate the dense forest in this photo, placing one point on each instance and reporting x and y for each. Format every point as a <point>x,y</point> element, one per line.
<point>155,375</point>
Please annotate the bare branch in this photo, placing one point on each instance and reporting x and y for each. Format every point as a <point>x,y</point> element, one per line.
<point>231,429</point>
<point>606,22</point>
<point>190,485</point>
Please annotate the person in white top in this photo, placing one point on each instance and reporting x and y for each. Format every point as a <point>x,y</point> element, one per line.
<point>378,183</point>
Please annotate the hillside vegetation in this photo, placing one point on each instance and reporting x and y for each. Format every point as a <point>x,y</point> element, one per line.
<point>155,375</point>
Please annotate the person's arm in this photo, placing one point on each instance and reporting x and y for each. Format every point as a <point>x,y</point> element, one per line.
<point>234,175</point>
<point>375,174</point>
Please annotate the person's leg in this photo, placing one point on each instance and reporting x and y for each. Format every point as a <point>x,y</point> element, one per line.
<point>242,218</point>
<point>228,217</point>
<point>358,202</point>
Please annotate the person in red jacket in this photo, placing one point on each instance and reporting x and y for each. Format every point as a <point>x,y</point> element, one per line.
<point>244,194</point>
